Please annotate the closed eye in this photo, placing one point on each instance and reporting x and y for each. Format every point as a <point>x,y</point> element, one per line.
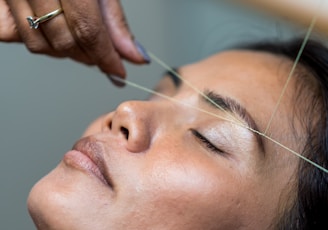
<point>206,143</point>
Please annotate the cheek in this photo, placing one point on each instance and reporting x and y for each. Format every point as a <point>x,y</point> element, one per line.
<point>188,191</point>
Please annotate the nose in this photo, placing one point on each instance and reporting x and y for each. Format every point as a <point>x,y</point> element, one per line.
<point>132,121</point>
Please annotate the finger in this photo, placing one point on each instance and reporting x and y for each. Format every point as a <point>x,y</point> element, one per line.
<point>33,39</point>
<point>56,31</point>
<point>86,24</point>
<point>8,30</point>
<point>120,33</point>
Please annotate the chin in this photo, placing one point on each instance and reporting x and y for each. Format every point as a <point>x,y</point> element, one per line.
<point>48,202</point>
<point>54,202</point>
<point>39,204</point>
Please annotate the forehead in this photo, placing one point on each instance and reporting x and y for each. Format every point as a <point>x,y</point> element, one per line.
<point>259,69</point>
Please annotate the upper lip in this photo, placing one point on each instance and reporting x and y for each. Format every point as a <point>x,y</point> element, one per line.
<point>95,151</point>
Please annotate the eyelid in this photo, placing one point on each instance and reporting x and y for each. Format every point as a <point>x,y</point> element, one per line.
<point>206,143</point>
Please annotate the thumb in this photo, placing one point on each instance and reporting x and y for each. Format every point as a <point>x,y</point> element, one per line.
<point>120,33</point>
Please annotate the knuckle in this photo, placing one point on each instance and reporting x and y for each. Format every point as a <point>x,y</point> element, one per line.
<point>62,45</point>
<point>36,47</point>
<point>123,22</point>
<point>8,31</point>
<point>87,33</point>
<point>5,36</point>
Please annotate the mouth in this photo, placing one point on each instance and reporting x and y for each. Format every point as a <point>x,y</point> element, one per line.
<point>87,156</point>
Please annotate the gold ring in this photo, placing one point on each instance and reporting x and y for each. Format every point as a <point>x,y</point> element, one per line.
<point>35,21</point>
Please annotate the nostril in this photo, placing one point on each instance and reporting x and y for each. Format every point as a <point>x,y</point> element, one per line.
<point>110,125</point>
<point>125,132</point>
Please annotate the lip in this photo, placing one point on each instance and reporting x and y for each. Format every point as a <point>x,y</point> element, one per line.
<point>87,156</point>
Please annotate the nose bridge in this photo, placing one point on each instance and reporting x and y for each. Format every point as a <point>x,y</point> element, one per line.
<point>134,111</point>
<point>147,112</point>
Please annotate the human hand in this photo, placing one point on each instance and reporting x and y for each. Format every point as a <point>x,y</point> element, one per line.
<point>88,31</point>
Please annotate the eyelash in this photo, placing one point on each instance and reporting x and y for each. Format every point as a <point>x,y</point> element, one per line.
<point>206,142</point>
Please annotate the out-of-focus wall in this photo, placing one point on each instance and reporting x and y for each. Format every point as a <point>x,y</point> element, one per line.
<point>46,103</point>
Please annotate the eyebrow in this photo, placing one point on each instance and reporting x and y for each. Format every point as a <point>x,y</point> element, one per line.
<point>232,106</point>
<point>172,74</point>
<point>221,103</point>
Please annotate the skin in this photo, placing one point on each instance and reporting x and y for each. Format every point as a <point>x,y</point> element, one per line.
<point>162,175</point>
<point>91,32</point>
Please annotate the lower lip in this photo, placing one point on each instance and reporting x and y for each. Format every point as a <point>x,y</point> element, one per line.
<point>82,162</point>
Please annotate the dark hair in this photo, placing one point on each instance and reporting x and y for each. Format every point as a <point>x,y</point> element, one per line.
<point>310,207</point>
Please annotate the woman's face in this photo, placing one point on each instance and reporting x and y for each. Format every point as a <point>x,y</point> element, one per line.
<point>160,164</point>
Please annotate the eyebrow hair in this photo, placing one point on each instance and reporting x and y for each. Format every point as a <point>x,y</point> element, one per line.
<point>174,77</point>
<point>232,106</point>
<point>227,104</point>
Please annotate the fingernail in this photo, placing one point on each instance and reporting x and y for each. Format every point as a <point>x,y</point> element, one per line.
<point>142,51</point>
<point>118,81</point>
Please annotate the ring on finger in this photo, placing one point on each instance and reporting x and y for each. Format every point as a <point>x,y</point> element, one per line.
<point>34,22</point>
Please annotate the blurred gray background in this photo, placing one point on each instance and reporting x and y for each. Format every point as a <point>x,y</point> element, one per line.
<point>46,103</point>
